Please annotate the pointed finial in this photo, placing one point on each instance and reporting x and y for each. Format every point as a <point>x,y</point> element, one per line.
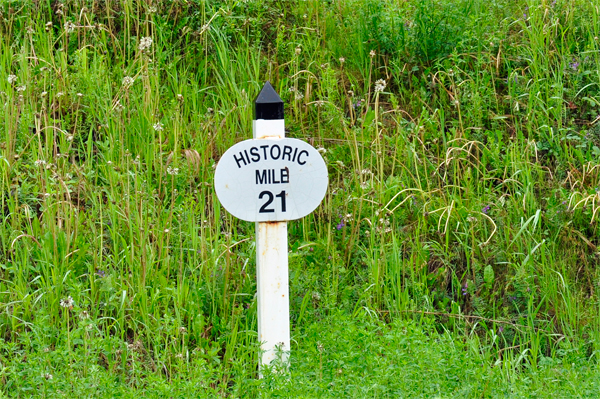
<point>268,105</point>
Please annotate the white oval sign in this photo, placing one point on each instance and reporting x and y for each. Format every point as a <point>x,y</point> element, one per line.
<point>268,180</point>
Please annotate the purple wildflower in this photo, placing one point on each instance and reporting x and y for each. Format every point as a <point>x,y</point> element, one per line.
<point>341,224</point>
<point>574,65</point>
<point>486,209</point>
<point>464,289</point>
<point>100,273</point>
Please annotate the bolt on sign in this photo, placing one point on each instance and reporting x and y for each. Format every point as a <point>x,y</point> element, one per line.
<point>270,180</point>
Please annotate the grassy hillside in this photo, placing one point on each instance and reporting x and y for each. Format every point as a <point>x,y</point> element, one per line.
<point>459,235</point>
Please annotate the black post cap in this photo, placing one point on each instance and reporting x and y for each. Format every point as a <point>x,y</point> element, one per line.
<point>268,105</point>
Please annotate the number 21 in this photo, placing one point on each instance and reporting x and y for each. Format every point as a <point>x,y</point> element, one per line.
<point>269,195</point>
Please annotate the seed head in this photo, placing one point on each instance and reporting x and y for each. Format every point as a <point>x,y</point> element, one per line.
<point>68,302</point>
<point>172,172</point>
<point>69,26</point>
<point>380,85</point>
<point>145,43</point>
<point>127,82</point>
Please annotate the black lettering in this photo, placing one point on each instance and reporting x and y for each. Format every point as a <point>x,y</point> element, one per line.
<point>294,157</point>
<point>264,147</point>
<point>282,196</point>
<point>247,157</point>
<point>241,158</point>
<point>285,175</point>
<point>287,150</point>
<point>255,154</point>
<point>264,209</point>
<point>261,178</point>
<point>275,157</point>
<point>299,155</point>
<point>274,177</point>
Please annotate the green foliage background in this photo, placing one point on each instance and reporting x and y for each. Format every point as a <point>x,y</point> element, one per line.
<point>459,235</point>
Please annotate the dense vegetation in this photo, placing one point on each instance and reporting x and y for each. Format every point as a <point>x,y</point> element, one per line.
<point>455,254</point>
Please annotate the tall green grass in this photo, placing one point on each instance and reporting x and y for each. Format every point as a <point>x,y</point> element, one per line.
<point>464,190</point>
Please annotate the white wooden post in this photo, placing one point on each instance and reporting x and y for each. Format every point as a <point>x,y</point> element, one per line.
<point>272,276</point>
<point>270,180</point>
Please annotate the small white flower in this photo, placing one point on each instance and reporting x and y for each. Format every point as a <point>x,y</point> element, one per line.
<point>292,89</point>
<point>158,126</point>
<point>68,302</point>
<point>167,231</point>
<point>152,10</point>
<point>40,162</point>
<point>342,60</point>
<point>80,95</point>
<point>298,50</point>
<point>299,96</point>
<point>179,97</point>
<point>44,94</point>
<point>127,82</point>
<point>173,171</point>
<point>145,43</point>
<point>12,79</point>
<point>59,94</point>
<point>321,150</point>
<point>69,26</point>
<point>372,53</point>
<point>380,85</point>
<point>21,89</point>
<point>48,376</point>
<point>340,164</point>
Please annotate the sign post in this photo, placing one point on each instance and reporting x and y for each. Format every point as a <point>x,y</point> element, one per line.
<point>271,180</point>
